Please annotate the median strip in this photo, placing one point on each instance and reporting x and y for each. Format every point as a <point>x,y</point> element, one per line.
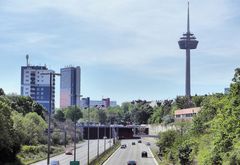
<point>105,155</point>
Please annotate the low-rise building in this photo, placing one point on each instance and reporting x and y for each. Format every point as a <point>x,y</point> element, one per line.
<point>186,114</point>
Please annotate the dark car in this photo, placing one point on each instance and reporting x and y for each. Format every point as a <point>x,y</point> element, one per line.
<point>139,141</point>
<point>68,151</point>
<point>144,154</point>
<point>133,143</point>
<point>131,162</point>
<point>148,143</point>
<point>123,146</point>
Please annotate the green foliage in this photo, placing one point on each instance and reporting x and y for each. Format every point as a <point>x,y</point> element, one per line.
<point>29,127</point>
<point>184,152</point>
<point>101,116</point>
<point>59,115</point>
<point>31,154</point>
<point>24,105</point>
<point>73,113</point>
<point>9,144</point>
<point>167,140</point>
<point>2,92</point>
<point>183,102</point>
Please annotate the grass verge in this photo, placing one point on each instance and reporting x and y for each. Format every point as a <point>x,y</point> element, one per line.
<point>156,156</point>
<point>32,154</point>
<point>105,155</point>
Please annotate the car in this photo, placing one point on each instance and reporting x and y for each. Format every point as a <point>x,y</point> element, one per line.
<point>54,162</point>
<point>68,151</point>
<point>139,141</point>
<point>123,146</point>
<point>131,162</point>
<point>144,154</point>
<point>148,143</point>
<point>133,143</point>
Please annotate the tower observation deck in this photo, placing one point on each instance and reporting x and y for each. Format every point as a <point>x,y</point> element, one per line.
<point>188,42</point>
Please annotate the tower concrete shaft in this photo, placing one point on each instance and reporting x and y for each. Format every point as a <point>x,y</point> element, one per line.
<point>188,74</point>
<point>188,42</point>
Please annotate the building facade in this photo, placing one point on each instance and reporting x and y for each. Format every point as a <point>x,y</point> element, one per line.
<point>186,114</point>
<point>70,86</point>
<point>104,103</point>
<point>35,82</point>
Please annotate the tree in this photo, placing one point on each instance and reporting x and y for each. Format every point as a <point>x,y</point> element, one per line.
<point>73,113</point>
<point>59,115</point>
<point>9,144</point>
<point>166,140</point>
<point>183,102</point>
<point>184,152</point>
<point>101,116</point>
<point>34,127</point>
<point>2,92</point>
<point>24,105</point>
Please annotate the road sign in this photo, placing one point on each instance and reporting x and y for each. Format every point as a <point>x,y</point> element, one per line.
<point>74,163</point>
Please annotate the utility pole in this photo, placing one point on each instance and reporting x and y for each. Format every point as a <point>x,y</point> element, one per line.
<point>88,100</point>
<point>98,141</point>
<point>104,137</point>
<point>51,74</point>
<point>75,125</point>
<point>110,134</point>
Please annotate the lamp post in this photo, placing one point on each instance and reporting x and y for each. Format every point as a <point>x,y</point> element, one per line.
<point>75,124</point>
<point>104,137</point>
<point>51,74</point>
<point>110,134</point>
<point>88,103</point>
<point>98,141</point>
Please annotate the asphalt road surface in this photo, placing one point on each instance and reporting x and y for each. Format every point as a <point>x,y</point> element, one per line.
<point>81,153</point>
<point>132,152</point>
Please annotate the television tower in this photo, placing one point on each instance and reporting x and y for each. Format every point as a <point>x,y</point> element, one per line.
<point>188,42</point>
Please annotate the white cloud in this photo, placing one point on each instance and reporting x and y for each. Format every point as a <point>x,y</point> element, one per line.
<point>150,28</point>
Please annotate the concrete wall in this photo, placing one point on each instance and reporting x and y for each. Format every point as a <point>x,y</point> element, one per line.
<point>154,129</point>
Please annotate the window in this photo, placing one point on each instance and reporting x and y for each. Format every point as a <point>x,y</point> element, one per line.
<point>178,116</point>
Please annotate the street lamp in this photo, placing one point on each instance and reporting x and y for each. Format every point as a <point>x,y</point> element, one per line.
<point>104,137</point>
<point>75,125</point>
<point>88,104</point>
<point>51,74</point>
<point>98,141</point>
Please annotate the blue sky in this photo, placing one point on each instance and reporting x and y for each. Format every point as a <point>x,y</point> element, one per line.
<point>127,49</point>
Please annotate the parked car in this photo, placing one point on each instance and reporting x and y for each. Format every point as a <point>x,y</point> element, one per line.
<point>123,146</point>
<point>144,154</point>
<point>148,143</point>
<point>68,151</point>
<point>54,162</point>
<point>131,162</point>
<point>139,141</point>
<point>133,143</point>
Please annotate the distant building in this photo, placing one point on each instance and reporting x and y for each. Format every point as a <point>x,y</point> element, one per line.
<point>104,103</point>
<point>35,82</point>
<point>70,86</point>
<point>186,114</point>
<point>226,90</point>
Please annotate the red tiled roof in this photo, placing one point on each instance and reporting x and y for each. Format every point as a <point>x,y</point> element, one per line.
<point>187,111</point>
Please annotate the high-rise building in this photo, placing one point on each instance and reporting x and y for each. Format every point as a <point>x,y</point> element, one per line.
<point>70,86</point>
<point>104,103</point>
<point>188,42</point>
<point>35,82</point>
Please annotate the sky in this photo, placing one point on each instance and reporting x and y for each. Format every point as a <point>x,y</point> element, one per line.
<point>127,49</point>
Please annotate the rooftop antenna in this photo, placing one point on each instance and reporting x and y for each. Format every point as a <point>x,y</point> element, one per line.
<point>188,20</point>
<point>27,57</point>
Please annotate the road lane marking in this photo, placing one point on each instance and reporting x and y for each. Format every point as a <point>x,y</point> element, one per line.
<point>153,156</point>
<point>111,156</point>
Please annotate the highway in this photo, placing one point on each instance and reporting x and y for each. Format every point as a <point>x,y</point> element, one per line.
<point>81,153</point>
<point>132,152</point>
